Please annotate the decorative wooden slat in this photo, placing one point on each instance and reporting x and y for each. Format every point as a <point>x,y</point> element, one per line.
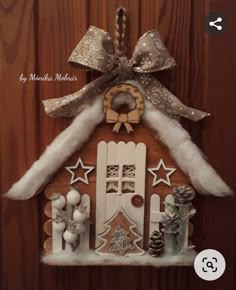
<point>48,209</point>
<point>130,153</point>
<point>111,153</point>
<point>155,214</point>
<point>101,189</point>
<point>169,198</point>
<point>56,235</point>
<point>140,169</point>
<point>48,245</point>
<point>120,153</point>
<point>185,225</point>
<point>140,189</point>
<point>85,237</point>
<point>48,227</point>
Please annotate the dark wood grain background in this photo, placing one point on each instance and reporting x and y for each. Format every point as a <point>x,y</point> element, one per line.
<point>38,36</point>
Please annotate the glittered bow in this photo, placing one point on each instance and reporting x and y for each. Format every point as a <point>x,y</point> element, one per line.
<point>95,52</point>
<point>119,119</point>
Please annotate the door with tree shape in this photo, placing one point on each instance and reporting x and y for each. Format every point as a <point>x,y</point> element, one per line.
<point>120,183</point>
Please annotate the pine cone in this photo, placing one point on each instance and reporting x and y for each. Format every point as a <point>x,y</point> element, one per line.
<point>183,195</point>
<point>171,223</point>
<point>156,244</point>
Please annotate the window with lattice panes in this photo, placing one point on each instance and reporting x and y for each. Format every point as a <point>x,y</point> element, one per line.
<point>120,179</point>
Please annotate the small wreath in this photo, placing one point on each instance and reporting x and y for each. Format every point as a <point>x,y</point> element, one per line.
<point>121,118</point>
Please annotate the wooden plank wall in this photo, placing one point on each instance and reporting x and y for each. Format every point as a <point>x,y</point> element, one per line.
<point>38,36</point>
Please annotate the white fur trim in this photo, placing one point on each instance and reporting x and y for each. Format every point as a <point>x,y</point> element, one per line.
<point>187,155</point>
<point>91,258</point>
<point>63,146</point>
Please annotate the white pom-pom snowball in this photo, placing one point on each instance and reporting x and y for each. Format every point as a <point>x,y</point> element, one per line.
<point>73,197</point>
<point>60,202</point>
<point>69,237</point>
<point>81,228</point>
<point>79,216</point>
<point>59,227</point>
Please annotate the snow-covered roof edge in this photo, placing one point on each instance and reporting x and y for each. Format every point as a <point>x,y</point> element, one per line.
<point>186,154</point>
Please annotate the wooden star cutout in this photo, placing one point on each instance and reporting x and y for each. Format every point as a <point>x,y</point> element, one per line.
<point>75,178</point>
<point>167,179</point>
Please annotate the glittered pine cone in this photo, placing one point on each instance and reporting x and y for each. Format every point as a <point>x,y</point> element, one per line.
<point>183,195</point>
<point>171,223</point>
<point>156,244</point>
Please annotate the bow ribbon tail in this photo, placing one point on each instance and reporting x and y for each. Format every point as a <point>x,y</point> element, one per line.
<point>113,117</point>
<point>71,105</point>
<point>165,101</point>
<point>128,127</point>
<point>116,127</point>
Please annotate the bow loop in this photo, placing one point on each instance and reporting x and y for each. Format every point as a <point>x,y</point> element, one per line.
<point>134,116</point>
<point>150,54</point>
<point>94,51</point>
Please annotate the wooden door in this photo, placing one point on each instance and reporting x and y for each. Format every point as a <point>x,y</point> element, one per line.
<point>38,37</point>
<point>120,176</point>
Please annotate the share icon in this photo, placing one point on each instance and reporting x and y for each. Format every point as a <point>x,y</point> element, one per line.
<point>216,23</point>
<point>213,23</point>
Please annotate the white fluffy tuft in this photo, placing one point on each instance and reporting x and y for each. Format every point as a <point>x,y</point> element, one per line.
<point>187,155</point>
<point>63,146</point>
<point>91,258</point>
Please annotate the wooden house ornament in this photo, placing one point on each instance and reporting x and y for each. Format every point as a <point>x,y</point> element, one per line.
<point>123,175</point>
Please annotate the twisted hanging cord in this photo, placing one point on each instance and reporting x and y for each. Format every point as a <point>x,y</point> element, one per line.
<point>120,29</point>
